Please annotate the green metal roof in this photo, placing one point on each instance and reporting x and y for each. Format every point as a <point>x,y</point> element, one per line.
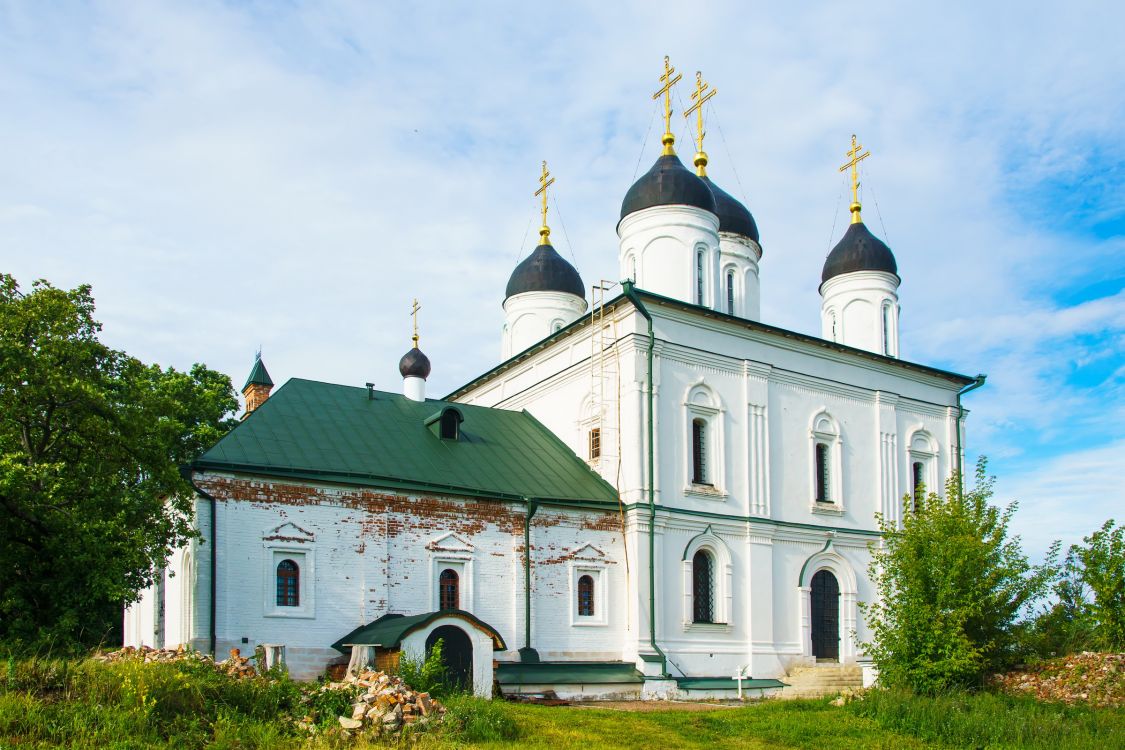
<point>567,673</point>
<point>389,630</point>
<point>258,375</point>
<point>339,433</point>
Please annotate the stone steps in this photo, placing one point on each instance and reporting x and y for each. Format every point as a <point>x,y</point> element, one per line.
<point>821,680</point>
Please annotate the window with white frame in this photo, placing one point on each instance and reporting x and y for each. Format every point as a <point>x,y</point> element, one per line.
<point>922,456</point>
<point>289,574</point>
<point>451,581</point>
<point>729,278</point>
<point>704,464</point>
<point>589,602</point>
<point>887,341</point>
<point>826,464</point>
<point>707,583</point>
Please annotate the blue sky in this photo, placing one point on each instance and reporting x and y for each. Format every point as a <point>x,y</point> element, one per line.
<point>236,175</point>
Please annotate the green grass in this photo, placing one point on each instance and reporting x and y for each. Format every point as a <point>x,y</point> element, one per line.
<point>992,720</point>
<point>86,705</point>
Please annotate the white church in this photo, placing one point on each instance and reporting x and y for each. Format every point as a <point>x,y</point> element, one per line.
<point>653,493</point>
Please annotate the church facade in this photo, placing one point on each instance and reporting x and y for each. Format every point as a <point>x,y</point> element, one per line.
<point>653,491</point>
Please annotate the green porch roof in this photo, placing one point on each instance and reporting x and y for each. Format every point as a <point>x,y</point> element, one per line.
<point>567,673</point>
<point>389,630</point>
<point>339,433</point>
<point>725,683</point>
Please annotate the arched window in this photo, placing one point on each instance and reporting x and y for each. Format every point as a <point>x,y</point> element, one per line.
<point>586,596</point>
<point>449,592</point>
<point>702,588</point>
<point>699,451</point>
<point>699,277</point>
<point>823,475</point>
<point>595,443</point>
<point>450,424</point>
<point>288,584</point>
<point>730,292</point>
<point>887,331</point>
<point>918,474</point>
<point>832,318</point>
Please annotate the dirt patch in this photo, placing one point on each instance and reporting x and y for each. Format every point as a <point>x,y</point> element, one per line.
<point>650,706</point>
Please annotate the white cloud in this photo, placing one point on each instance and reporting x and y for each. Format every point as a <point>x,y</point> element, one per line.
<point>232,176</point>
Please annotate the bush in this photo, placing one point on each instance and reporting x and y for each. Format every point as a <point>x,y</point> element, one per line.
<point>426,675</point>
<point>951,587</point>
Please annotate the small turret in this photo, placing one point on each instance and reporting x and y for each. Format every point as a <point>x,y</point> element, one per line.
<point>859,284</point>
<point>414,366</point>
<point>544,292</point>
<point>669,227</point>
<point>258,386</point>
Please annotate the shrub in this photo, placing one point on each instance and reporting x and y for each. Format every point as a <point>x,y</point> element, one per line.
<point>426,675</point>
<point>951,586</point>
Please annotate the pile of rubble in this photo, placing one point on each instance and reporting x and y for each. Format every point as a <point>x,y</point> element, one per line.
<point>150,655</point>
<point>237,665</point>
<point>386,704</point>
<point>1088,677</point>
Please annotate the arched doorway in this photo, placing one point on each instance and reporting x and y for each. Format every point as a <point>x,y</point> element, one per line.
<point>825,611</point>
<point>456,654</point>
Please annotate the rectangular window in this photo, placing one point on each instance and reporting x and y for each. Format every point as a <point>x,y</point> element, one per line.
<point>730,292</point>
<point>887,330</point>
<point>698,452</point>
<point>699,278</point>
<point>595,443</point>
<point>918,471</point>
<point>822,469</point>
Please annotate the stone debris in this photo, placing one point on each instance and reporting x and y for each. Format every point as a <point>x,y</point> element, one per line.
<point>1089,677</point>
<point>386,704</point>
<point>236,666</point>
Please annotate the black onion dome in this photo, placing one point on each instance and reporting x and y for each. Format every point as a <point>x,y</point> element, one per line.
<point>414,364</point>
<point>733,216</point>
<point>858,250</point>
<point>545,271</point>
<point>668,183</point>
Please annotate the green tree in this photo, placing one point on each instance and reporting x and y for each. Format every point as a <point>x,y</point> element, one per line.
<point>1100,565</point>
<point>951,588</point>
<point>91,439</point>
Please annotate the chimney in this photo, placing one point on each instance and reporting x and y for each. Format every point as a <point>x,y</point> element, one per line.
<point>258,386</point>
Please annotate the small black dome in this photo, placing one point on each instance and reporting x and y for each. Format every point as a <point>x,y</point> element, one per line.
<point>668,183</point>
<point>733,216</point>
<point>858,250</point>
<point>414,364</point>
<point>545,271</point>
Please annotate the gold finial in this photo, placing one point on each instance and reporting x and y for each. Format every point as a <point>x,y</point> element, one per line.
<point>544,183</point>
<point>414,313</point>
<point>855,158</point>
<point>666,90</point>
<point>700,99</point>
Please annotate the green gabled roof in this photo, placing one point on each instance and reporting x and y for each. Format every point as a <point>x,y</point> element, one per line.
<point>258,375</point>
<point>338,433</point>
<point>389,630</point>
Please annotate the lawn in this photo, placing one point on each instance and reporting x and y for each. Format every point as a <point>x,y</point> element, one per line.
<point>134,706</point>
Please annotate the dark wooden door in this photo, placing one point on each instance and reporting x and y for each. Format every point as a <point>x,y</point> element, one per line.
<point>456,654</point>
<point>825,616</point>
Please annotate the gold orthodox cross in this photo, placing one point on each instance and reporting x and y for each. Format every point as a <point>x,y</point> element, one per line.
<point>700,99</point>
<point>544,183</point>
<point>414,313</point>
<point>666,91</point>
<point>853,164</point>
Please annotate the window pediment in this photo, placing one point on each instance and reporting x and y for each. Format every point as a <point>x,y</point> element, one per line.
<point>288,532</point>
